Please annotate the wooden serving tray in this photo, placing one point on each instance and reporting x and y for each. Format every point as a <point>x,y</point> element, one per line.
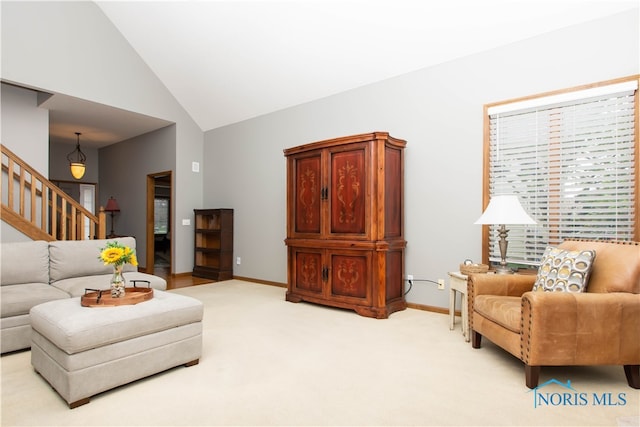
<point>104,299</point>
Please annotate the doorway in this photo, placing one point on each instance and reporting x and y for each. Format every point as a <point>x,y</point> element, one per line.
<point>83,193</point>
<point>159,219</point>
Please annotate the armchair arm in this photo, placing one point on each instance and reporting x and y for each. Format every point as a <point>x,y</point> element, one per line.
<point>561,328</point>
<point>513,285</point>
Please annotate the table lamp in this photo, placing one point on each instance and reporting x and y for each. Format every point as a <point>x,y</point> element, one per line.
<point>502,210</point>
<point>112,207</point>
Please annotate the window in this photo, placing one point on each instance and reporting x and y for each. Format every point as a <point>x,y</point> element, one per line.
<point>571,157</point>
<point>161,216</point>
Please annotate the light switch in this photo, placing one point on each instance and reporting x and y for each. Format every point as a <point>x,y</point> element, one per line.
<point>186,222</point>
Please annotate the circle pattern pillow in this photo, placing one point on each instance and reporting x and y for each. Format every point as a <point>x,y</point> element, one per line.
<point>564,271</point>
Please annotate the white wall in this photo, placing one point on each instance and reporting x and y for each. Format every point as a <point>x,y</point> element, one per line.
<point>438,111</point>
<point>71,48</point>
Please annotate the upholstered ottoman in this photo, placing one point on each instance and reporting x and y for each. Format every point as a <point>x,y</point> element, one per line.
<point>82,351</point>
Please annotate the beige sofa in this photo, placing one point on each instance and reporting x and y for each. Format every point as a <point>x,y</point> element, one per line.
<point>35,272</point>
<point>598,327</point>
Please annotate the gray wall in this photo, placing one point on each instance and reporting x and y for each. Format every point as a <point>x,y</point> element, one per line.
<point>135,159</point>
<point>25,127</point>
<point>59,165</point>
<point>439,111</point>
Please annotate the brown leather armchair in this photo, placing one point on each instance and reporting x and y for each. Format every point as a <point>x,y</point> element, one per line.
<point>598,327</point>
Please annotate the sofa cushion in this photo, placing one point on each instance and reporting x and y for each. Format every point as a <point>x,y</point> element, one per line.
<point>77,258</point>
<point>564,270</point>
<point>503,310</point>
<point>19,299</point>
<point>14,257</point>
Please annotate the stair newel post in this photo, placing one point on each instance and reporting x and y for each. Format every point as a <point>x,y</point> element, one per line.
<point>102,223</point>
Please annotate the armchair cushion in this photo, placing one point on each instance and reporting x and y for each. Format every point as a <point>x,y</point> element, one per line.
<point>505,311</point>
<point>563,270</point>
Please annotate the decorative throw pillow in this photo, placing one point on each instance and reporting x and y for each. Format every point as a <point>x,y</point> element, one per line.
<point>564,271</point>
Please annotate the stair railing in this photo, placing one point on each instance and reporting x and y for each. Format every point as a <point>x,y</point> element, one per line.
<point>40,209</point>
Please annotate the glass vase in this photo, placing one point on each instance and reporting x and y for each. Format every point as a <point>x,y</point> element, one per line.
<point>117,282</point>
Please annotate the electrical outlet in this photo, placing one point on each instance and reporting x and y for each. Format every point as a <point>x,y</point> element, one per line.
<point>441,284</point>
<point>409,277</point>
<point>238,260</point>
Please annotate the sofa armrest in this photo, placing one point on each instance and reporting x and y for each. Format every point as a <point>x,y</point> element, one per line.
<point>512,285</point>
<point>562,328</point>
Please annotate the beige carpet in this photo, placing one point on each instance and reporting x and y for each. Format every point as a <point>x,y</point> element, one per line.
<point>271,362</point>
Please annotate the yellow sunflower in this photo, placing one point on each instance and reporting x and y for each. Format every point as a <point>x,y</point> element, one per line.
<point>112,255</point>
<point>116,254</point>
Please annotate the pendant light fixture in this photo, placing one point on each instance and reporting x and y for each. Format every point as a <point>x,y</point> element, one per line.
<point>77,160</point>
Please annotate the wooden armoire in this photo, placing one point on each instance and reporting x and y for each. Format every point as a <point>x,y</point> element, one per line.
<point>345,223</point>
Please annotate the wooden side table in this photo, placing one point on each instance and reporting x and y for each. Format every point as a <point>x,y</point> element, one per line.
<point>458,283</point>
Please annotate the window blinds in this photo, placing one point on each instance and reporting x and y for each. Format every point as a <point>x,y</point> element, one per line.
<point>571,162</point>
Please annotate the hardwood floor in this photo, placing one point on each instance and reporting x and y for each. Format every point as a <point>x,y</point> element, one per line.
<point>162,268</point>
<point>183,280</point>
<point>180,281</point>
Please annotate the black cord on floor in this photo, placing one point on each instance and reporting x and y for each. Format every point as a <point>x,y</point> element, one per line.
<point>419,280</point>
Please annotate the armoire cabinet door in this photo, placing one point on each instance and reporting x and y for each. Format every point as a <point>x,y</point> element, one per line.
<point>309,273</point>
<point>349,191</point>
<point>308,192</point>
<point>350,273</point>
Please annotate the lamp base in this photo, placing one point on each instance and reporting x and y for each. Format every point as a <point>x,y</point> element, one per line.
<point>112,234</point>
<point>503,270</point>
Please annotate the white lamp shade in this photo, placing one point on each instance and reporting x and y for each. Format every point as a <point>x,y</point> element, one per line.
<point>505,209</point>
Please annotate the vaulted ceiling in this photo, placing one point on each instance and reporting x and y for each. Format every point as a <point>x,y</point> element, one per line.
<point>230,60</point>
